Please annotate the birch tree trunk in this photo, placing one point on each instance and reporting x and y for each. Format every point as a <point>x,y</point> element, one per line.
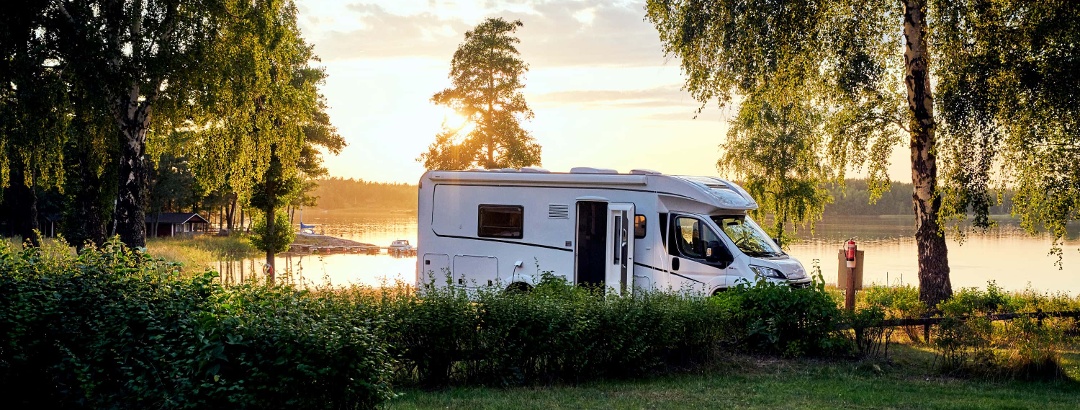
<point>133,117</point>
<point>934,283</point>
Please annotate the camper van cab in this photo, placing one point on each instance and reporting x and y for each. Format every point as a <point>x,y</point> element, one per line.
<point>641,230</point>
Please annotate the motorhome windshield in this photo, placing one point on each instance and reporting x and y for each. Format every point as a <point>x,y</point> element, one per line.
<point>746,235</point>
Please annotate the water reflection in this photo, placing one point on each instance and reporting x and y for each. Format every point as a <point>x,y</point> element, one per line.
<point>341,269</point>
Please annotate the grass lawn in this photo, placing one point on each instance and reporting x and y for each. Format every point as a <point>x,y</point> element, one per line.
<point>906,381</point>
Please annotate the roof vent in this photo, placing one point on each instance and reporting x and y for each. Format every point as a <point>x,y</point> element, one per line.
<point>535,170</point>
<point>591,170</point>
<point>558,211</point>
<point>645,172</point>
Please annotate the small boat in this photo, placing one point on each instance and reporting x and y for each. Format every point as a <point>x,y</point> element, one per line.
<point>308,229</point>
<point>401,246</point>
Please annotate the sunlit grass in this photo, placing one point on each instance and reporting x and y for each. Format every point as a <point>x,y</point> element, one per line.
<point>201,251</point>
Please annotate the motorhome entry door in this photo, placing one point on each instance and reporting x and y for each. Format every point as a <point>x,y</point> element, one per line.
<point>590,260</point>
<point>619,271</point>
<point>604,255</point>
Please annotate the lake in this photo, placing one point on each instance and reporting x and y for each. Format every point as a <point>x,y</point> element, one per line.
<point>1006,255</point>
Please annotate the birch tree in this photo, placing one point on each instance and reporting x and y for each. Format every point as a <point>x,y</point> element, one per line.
<point>131,54</point>
<point>1006,74</point>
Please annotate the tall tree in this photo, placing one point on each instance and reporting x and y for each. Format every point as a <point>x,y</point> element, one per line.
<point>1007,80</point>
<point>771,148</point>
<point>268,111</point>
<point>844,49</point>
<point>34,113</point>
<point>90,170</point>
<point>486,74</point>
<point>132,54</point>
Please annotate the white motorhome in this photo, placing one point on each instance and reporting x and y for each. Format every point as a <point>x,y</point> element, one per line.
<point>642,230</point>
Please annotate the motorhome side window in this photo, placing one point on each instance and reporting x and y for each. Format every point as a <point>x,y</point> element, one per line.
<point>500,221</point>
<point>691,237</point>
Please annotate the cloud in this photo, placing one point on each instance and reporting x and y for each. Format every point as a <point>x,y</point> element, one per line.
<point>614,34</point>
<point>555,33</point>
<point>659,97</point>
<point>386,35</point>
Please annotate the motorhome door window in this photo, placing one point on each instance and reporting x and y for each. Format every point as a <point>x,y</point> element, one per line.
<point>500,221</point>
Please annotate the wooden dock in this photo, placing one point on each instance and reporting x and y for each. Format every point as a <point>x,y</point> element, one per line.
<point>328,245</point>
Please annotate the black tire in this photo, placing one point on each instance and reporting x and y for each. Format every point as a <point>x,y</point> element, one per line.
<point>519,287</point>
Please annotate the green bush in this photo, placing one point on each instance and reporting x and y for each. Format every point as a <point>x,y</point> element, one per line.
<point>113,328</point>
<point>783,320</point>
<point>556,332</point>
<point>894,302</point>
<point>870,338</point>
<point>1022,348</point>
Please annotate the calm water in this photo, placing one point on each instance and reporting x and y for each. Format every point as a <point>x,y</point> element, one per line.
<point>1006,255</point>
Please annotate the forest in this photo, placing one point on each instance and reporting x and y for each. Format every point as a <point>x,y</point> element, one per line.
<point>853,198</point>
<point>340,193</point>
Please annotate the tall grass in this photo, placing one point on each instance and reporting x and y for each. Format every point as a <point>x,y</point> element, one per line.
<point>201,252</point>
<point>967,341</point>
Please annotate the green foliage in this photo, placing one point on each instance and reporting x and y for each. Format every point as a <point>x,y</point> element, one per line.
<point>487,76</point>
<point>273,239</point>
<point>1026,347</point>
<point>110,327</point>
<point>870,338</point>
<point>896,302</point>
<point>771,148</point>
<point>1009,104</point>
<point>782,320</point>
<point>113,328</point>
<point>558,332</point>
<point>817,87</point>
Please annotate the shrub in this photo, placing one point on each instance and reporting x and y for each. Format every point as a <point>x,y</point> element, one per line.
<point>429,330</point>
<point>869,337</point>
<point>895,302</point>
<point>1024,347</point>
<point>114,328</point>
<point>783,320</point>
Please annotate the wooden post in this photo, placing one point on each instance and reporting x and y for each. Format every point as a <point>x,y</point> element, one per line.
<point>849,276</point>
<point>849,294</point>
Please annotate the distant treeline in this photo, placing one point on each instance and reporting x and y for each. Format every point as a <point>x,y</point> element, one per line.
<point>854,199</point>
<point>340,193</point>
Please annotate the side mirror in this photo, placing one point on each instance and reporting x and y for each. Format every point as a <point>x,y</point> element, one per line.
<point>716,252</point>
<point>777,240</point>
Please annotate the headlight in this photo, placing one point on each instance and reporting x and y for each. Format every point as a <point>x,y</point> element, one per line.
<point>767,272</point>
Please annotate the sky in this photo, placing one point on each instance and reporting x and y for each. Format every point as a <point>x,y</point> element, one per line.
<point>603,92</point>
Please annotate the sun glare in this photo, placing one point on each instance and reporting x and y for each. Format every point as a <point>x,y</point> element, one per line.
<point>452,120</point>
